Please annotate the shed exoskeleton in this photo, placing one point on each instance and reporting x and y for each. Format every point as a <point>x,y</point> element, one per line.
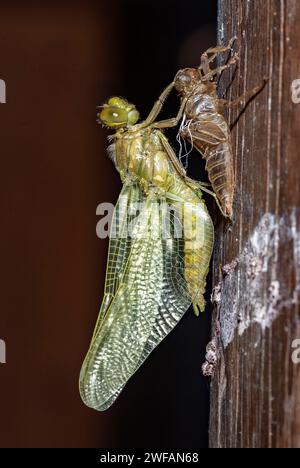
<point>204,124</point>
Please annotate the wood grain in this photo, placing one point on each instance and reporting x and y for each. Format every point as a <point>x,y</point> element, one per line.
<point>255,399</point>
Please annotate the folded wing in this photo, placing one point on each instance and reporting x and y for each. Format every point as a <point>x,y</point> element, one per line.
<point>145,294</point>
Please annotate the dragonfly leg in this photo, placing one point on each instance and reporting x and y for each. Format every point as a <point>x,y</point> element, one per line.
<point>157,106</point>
<point>168,123</point>
<point>179,167</point>
<point>204,189</point>
<point>172,156</point>
<point>214,52</point>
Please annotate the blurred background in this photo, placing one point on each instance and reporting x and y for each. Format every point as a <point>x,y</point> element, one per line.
<point>60,61</point>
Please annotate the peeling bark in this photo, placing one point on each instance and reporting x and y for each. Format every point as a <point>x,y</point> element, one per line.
<point>255,399</point>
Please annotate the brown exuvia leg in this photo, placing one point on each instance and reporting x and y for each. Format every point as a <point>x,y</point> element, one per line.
<point>219,70</point>
<point>213,52</point>
<point>247,96</point>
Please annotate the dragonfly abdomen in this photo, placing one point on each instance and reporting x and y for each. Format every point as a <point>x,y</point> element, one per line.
<point>198,233</point>
<point>198,249</point>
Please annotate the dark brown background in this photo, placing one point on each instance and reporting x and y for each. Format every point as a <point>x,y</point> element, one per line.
<point>60,61</point>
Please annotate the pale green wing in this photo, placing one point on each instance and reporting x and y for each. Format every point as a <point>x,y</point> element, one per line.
<point>119,243</point>
<point>149,297</point>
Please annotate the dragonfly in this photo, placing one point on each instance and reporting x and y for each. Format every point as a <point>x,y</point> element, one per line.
<point>160,246</point>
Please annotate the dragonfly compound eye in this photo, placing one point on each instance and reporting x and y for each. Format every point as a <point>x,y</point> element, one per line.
<point>113,116</point>
<point>118,112</point>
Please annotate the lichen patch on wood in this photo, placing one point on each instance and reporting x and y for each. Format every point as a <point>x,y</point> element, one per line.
<point>250,272</point>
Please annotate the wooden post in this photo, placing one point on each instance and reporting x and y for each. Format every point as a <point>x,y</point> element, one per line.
<point>255,400</point>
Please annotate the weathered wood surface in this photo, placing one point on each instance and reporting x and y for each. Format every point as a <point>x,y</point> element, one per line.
<point>255,399</point>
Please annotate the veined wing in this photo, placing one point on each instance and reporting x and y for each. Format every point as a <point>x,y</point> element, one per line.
<point>151,298</point>
<point>119,243</point>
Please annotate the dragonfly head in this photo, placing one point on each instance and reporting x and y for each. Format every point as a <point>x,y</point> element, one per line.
<point>117,113</point>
